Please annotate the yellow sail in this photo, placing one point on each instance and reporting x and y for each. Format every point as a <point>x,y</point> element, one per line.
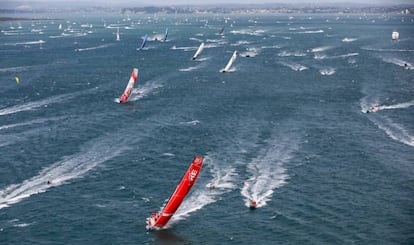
<point>17,80</point>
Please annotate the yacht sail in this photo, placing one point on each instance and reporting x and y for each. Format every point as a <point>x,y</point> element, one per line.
<point>130,86</point>
<point>144,41</point>
<point>230,63</point>
<point>160,219</point>
<point>199,50</point>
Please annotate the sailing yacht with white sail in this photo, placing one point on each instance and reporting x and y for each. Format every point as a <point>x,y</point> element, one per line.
<point>198,52</point>
<point>230,63</point>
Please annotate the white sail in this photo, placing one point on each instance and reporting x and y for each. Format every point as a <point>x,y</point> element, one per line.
<point>395,35</point>
<point>199,50</point>
<point>230,63</point>
<point>117,35</point>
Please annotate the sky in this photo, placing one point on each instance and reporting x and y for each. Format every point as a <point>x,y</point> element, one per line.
<point>140,3</point>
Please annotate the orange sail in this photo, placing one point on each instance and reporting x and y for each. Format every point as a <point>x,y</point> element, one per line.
<point>160,219</point>
<point>130,86</point>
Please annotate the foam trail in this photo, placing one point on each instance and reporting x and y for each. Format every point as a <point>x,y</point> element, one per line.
<point>394,130</point>
<point>36,104</point>
<point>398,62</point>
<point>93,48</point>
<point>223,178</point>
<point>139,93</point>
<point>267,172</point>
<point>396,106</point>
<point>191,68</point>
<point>36,121</point>
<point>59,173</point>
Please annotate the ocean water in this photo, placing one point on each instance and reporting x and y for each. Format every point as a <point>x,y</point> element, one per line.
<point>286,127</point>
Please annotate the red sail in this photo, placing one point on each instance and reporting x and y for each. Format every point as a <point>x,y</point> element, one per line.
<point>160,219</point>
<point>130,86</point>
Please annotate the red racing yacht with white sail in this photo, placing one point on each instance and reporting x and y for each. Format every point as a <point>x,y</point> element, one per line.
<point>130,86</point>
<point>159,219</point>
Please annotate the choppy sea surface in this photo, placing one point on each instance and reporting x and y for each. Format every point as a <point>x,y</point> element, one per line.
<point>286,126</point>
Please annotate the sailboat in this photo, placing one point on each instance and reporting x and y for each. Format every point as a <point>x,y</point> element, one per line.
<point>130,86</point>
<point>395,35</point>
<point>117,35</point>
<point>230,63</point>
<point>160,219</point>
<point>199,50</point>
<point>144,41</point>
<point>166,35</point>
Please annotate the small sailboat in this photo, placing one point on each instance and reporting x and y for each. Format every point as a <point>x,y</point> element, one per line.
<point>395,35</point>
<point>230,63</point>
<point>144,41</point>
<point>198,52</point>
<point>130,86</point>
<point>221,32</point>
<point>118,38</point>
<point>160,219</point>
<point>166,34</point>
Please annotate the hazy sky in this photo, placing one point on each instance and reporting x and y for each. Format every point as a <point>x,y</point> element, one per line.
<point>53,3</point>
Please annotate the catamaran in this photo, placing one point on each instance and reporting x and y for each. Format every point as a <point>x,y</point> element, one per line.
<point>230,63</point>
<point>130,86</point>
<point>144,41</point>
<point>199,50</point>
<point>160,219</point>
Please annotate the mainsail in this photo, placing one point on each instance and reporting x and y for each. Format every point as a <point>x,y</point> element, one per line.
<point>166,34</point>
<point>160,219</point>
<point>144,41</point>
<point>395,35</point>
<point>130,86</point>
<point>199,50</point>
<point>230,63</point>
<point>117,35</point>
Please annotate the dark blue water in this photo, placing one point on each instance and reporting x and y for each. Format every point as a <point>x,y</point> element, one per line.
<point>286,127</point>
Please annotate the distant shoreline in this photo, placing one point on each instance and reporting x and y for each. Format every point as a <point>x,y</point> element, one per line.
<point>21,19</point>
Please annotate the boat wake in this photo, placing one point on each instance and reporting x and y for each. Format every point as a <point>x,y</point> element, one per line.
<point>36,104</point>
<point>398,62</point>
<point>93,48</point>
<point>394,130</point>
<point>327,71</point>
<point>365,106</point>
<point>191,68</point>
<point>295,67</point>
<point>319,49</point>
<point>60,173</point>
<point>35,121</point>
<point>267,173</point>
<point>396,106</point>
<point>147,88</point>
<point>348,40</point>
